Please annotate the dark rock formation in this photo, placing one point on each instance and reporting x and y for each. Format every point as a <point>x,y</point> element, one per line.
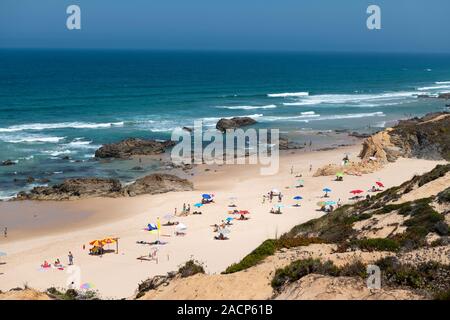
<point>445,95</point>
<point>74,188</point>
<point>8,163</point>
<point>158,183</point>
<point>285,144</point>
<point>97,187</point>
<point>233,123</point>
<point>133,146</point>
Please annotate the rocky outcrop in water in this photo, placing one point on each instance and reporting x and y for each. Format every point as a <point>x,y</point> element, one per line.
<point>444,95</point>
<point>233,123</point>
<point>133,146</point>
<point>74,188</point>
<point>8,163</point>
<point>98,187</point>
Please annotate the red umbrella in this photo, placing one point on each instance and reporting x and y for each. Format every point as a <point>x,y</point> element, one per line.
<point>357,191</point>
<point>243,212</point>
<point>380,184</point>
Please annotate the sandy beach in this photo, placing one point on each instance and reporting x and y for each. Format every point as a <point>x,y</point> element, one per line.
<point>41,231</point>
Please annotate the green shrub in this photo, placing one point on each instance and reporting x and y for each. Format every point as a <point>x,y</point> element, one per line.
<point>190,268</point>
<point>377,244</point>
<point>444,196</point>
<point>267,248</point>
<point>301,268</point>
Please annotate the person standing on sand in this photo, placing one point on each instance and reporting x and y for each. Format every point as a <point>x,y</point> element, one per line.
<point>292,169</point>
<point>70,258</point>
<point>264,199</point>
<point>310,167</point>
<point>188,208</point>
<point>175,211</point>
<point>5,232</point>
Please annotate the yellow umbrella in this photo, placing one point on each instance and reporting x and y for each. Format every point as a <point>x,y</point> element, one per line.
<point>109,240</point>
<point>97,243</point>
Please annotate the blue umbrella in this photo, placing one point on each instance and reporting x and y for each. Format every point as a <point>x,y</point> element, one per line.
<point>229,219</point>
<point>206,196</point>
<point>297,198</point>
<point>326,190</point>
<point>198,205</point>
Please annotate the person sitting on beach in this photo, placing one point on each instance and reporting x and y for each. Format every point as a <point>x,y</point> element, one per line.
<point>242,217</point>
<point>220,237</point>
<point>57,263</point>
<point>272,211</point>
<point>45,265</point>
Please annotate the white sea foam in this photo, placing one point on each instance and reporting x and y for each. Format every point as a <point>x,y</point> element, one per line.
<point>380,98</point>
<point>442,82</point>
<point>30,139</point>
<point>434,87</point>
<point>57,152</point>
<point>270,106</point>
<point>288,94</point>
<point>317,117</point>
<point>60,125</point>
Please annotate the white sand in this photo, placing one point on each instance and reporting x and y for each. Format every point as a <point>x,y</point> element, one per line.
<point>118,275</point>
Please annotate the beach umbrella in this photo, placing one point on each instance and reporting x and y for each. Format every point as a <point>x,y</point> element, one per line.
<point>330,203</point>
<point>206,196</point>
<point>180,227</point>
<point>357,191</point>
<point>109,240</point>
<point>326,190</point>
<point>198,205</point>
<point>2,254</point>
<point>96,243</point>
<point>275,190</point>
<point>297,198</point>
<point>243,212</point>
<point>380,184</point>
<point>87,286</point>
<point>229,219</point>
<point>339,174</point>
<point>152,227</point>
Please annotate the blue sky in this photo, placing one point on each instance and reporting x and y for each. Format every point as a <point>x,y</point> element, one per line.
<point>303,25</point>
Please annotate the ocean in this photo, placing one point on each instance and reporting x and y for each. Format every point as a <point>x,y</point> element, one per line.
<point>58,106</point>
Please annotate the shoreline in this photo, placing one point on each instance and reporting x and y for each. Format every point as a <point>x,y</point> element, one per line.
<point>117,276</point>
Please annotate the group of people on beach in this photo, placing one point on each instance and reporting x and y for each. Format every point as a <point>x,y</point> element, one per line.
<point>57,263</point>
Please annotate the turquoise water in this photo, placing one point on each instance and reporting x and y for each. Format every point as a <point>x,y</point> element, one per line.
<point>67,103</point>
